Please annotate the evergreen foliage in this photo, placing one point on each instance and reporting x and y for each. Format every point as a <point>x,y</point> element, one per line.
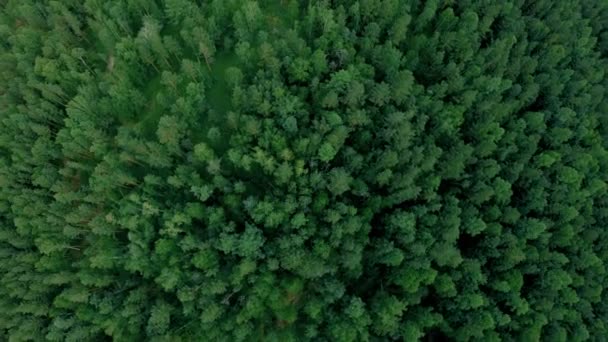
<point>345,170</point>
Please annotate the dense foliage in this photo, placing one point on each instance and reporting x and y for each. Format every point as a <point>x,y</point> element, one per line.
<point>346,170</point>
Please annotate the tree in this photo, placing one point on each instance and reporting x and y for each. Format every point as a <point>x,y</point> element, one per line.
<point>170,131</point>
<point>266,170</point>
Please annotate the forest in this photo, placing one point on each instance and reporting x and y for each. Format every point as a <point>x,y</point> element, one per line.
<point>304,170</point>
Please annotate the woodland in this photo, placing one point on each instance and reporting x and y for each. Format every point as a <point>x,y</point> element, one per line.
<point>303,170</point>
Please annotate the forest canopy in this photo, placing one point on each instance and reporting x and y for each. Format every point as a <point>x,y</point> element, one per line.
<point>283,170</point>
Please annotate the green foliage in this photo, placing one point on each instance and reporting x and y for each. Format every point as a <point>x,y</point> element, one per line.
<point>361,170</point>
